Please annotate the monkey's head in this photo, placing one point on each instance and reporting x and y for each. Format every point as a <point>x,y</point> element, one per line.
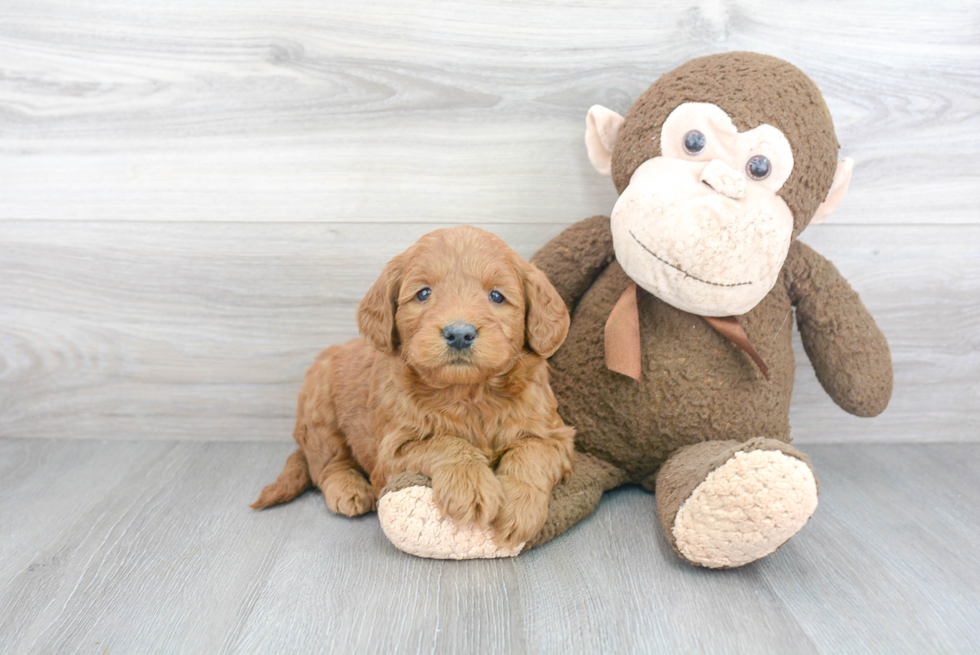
<point>720,164</point>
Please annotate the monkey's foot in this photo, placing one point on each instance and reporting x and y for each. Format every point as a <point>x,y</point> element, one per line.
<point>746,507</point>
<point>412,522</point>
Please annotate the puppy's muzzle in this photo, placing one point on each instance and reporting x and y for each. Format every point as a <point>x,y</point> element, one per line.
<point>459,335</point>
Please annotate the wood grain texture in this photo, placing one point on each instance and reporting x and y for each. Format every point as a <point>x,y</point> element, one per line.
<point>420,111</point>
<point>193,198</point>
<point>162,554</point>
<point>203,331</point>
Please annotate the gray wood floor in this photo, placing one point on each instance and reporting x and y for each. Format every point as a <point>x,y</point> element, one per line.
<point>138,547</point>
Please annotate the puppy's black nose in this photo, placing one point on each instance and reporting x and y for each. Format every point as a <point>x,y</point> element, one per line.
<point>459,335</point>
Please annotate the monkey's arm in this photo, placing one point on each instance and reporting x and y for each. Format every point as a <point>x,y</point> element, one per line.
<point>574,258</point>
<point>849,353</point>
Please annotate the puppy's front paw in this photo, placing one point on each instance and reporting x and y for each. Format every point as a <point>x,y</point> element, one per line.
<point>523,514</point>
<point>468,493</point>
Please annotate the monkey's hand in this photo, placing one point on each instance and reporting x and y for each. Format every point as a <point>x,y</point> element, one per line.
<point>849,353</point>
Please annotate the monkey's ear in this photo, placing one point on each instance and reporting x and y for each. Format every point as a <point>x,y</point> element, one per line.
<point>601,129</point>
<point>842,178</point>
<point>547,317</point>
<point>376,313</point>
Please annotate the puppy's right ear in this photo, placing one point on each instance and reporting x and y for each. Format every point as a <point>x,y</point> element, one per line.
<point>376,313</point>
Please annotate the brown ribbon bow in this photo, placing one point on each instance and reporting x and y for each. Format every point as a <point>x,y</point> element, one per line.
<point>622,336</point>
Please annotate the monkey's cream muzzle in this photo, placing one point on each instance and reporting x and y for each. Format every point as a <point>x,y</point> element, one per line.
<point>695,235</point>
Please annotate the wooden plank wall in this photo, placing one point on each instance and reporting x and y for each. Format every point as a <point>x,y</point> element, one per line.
<point>194,196</point>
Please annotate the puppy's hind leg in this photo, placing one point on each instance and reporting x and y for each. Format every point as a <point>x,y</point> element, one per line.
<point>345,488</point>
<point>332,465</point>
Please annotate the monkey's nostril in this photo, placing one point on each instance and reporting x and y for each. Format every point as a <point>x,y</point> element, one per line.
<point>459,335</point>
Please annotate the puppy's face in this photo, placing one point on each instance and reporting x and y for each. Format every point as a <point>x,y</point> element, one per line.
<point>462,307</point>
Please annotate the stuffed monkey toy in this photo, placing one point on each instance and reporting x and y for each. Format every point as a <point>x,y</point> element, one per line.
<point>678,368</point>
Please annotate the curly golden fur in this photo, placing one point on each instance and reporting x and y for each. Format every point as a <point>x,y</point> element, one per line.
<point>480,421</point>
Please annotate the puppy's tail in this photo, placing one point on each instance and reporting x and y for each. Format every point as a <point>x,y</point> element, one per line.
<point>294,480</point>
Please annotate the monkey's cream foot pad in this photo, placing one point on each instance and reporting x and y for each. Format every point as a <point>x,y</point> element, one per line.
<point>413,523</point>
<point>745,509</point>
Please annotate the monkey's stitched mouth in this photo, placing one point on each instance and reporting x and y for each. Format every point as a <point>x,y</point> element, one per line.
<point>675,266</point>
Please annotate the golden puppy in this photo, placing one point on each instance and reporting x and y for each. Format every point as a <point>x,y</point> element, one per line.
<point>449,380</point>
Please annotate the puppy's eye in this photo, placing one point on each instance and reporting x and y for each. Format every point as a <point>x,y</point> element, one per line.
<point>496,296</point>
<point>694,142</point>
<point>758,167</point>
<point>423,294</point>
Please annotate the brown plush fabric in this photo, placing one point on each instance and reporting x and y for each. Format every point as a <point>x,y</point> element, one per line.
<point>684,471</point>
<point>689,466</point>
<point>696,385</point>
<point>849,353</point>
<point>768,91</point>
<point>574,500</point>
<point>405,480</point>
<point>577,256</point>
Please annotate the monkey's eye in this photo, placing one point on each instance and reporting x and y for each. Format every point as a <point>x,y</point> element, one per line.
<point>496,296</point>
<point>423,294</point>
<point>694,142</point>
<point>758,168</point>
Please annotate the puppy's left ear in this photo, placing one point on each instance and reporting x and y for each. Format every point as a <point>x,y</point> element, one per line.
<point>547,317</point>
<point>376,313</point>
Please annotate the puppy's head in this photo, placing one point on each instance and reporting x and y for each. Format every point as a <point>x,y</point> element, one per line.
<point>460,306</point>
